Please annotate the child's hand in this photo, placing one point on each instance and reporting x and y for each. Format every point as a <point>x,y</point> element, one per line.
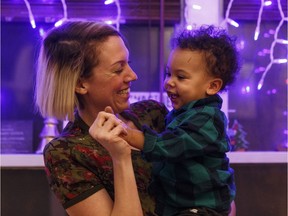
<point>109,109</point>
<point>107,130</point>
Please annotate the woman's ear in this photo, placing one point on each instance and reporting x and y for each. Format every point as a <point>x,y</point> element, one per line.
<point>81,87</point>
<point>214,86</point>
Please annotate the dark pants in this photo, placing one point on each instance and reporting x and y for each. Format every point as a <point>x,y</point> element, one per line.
<point>201,211</point>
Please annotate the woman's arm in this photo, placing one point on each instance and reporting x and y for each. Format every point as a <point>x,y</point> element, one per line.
<point>126,196</point>
<point>106,131</point>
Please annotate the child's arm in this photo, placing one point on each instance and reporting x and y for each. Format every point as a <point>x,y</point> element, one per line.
<point>134,137</point>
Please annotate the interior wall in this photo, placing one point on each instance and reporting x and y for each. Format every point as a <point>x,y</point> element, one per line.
<point>261,190</point>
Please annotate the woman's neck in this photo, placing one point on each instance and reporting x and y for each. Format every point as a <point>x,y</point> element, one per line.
<point>87,116</point>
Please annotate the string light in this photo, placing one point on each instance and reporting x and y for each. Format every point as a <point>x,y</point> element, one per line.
<point>65,17</point>
<point>275,41</point>
<point>196,7</point>
<point>188,13</point>
<point>41,32</point>
<point>31,17</point>
<point>256,35</point>
<point>257,30</point>
<point>227,19</point>
<point>268,3</point>
<point>232,22</point>
<point>107,2</point>
<point>117,21</point>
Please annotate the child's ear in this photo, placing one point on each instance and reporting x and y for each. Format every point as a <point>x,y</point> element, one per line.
<point>214,86</point>
<point>81,87</point>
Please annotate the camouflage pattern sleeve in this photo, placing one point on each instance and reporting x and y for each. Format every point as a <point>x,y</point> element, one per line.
<point>148,112</point>
<point>77,167</point>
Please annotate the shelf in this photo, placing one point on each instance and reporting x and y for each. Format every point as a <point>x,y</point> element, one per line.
<point>36,160</point>
<point>22,161</point>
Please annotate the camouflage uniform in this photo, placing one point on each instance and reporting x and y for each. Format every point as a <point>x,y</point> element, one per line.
<point>77,166</point>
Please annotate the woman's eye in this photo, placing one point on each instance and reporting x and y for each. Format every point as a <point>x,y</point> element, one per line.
<point>119,70</point>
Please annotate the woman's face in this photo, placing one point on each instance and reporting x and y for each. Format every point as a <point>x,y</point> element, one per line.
<point>110,82</point>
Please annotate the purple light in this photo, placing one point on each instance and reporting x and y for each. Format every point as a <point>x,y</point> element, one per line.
<point>260,53</point>
<point>58,23</point>
<point>246,90</point>
<point>41,32</point>
<point>33,24</point>
<point>232,22</point>
<point>109,22</point>
<point>259,70</point>
<point>189,27</point>
<point>241,45</point>
<point>272,91</point>
<point>272,31</point>
<point>256,35</point>
<point>260,85</point>
<point>196,7</point>
<point>268,3</point>
<point>107,2</point>
<point>280,61</point>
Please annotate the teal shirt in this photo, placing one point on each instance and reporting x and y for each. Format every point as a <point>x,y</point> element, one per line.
<point>192,169</point>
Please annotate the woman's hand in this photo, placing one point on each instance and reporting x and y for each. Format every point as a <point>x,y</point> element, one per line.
<point>107,129</point>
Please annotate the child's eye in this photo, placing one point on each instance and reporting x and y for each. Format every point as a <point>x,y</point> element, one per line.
<point>180,77</point>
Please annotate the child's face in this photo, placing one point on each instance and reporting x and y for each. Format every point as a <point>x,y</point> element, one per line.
<point>186,77</point>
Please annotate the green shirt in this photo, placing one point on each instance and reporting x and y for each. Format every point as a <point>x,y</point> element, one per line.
<point>192,168</point>
<point>77,166</point>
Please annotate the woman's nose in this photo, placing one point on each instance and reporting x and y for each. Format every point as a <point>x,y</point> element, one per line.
<point>131,76</point>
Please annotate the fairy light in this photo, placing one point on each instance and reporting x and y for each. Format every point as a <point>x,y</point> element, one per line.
<point>264,70</point>
<point>268,3</point>
<point>31,17</point>
<point>273,44</point>
<point>117,21</point>
<point>65,15</point>
<point>257,30</point>
<point>196,7</point>
<point>279,61</point>
<point>118,14</point>
<point>227,19</point>
<point>41,32</point>
<point>281,41</point>
<point>189,27</point>
<point>107,2</point>
<point>232,22</point>
<point>188,13</point>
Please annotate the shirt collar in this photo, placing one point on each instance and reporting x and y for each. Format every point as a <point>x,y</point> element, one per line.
<point>214,101</point>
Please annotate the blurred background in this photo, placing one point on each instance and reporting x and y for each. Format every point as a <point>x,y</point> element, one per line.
<point>256,104</point>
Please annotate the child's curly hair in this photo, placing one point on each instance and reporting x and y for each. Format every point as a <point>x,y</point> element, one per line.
<point>219,48</point>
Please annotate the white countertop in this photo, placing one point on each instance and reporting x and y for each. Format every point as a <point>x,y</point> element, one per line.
<point>36,160</point>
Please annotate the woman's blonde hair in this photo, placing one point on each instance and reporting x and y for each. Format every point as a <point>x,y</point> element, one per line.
<point>67,53</point>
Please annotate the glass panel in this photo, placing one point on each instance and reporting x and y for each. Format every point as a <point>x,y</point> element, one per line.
<point>262,113</point>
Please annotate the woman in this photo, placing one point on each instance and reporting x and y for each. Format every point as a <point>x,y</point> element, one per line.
<point>83,67</point>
